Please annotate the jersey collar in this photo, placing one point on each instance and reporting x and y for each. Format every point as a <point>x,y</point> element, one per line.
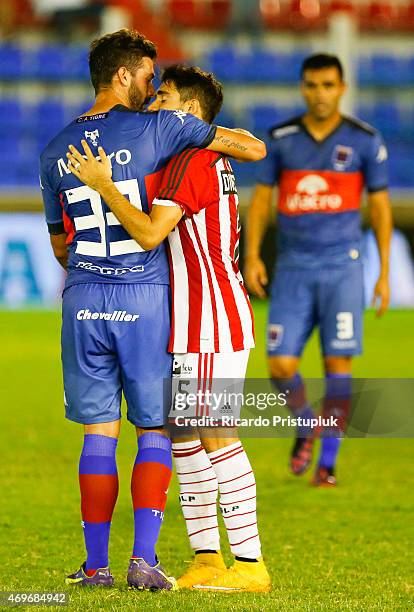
<point>320,142</point>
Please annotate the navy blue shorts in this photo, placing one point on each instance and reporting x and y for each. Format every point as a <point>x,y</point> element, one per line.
<point>114,341</point>
<point>330,298</point>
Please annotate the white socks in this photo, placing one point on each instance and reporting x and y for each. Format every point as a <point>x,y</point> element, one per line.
<point>237,486</point>
<point>198,494</point>
<point>198,474</point>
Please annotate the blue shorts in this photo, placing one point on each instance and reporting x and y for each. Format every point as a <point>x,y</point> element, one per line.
<point>330,298</point>
<point>114,340</point>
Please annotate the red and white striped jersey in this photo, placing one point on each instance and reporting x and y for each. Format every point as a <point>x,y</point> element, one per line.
<point>211,310</point>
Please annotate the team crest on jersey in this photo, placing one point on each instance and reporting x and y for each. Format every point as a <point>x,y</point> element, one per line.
<point>93,137</point>
<point>229,182</point>
<point>274,336</point>
<point>342,157</point>
<point>180,114</point>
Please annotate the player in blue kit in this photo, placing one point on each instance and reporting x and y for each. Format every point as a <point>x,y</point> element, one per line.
<point>116,300</point>
<point>321,162</point>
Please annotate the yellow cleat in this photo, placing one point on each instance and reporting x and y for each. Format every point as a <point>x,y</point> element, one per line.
<point>204,568</point>
<point>242,577</point>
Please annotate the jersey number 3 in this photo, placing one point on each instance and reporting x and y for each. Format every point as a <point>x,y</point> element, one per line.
<point>101,220</point>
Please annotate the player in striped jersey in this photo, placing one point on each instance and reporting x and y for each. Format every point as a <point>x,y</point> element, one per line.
<point>212,330</point>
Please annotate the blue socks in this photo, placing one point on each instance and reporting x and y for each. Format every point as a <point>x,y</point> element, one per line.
<point>296,400</point>
<point>151,478</point>
<point>98,480</point>
<point>336,404</point>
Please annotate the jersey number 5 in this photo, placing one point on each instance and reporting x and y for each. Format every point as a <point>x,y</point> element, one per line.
<point>101,220</point>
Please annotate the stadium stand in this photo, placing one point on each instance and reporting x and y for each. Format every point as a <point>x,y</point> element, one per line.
<point>40,76</point>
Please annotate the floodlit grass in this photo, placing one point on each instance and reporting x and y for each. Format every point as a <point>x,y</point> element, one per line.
<point>343,549</point>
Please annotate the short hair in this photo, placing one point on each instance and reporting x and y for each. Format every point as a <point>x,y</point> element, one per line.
<point>192,82</point>
<point>320,61</point>
<point>112,51</point>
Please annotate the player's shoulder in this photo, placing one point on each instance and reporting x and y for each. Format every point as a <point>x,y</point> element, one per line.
<point>195,158</point>
<point>55,146</point>
<point>286,128</point>
<point>359,126</point>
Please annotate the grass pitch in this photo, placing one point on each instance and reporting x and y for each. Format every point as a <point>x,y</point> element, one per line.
<point>343,549</point>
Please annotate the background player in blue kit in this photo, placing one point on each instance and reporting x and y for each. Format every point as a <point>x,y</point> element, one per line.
<point>116,300</point>
<point>320,162</point>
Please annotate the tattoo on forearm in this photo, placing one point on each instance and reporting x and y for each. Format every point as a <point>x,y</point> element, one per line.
<point>230,143</point>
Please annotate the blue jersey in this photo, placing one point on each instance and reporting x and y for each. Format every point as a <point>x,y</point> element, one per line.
<point>138,145</point>
<point>320,187</point>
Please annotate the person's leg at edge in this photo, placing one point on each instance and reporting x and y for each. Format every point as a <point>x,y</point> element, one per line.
<point>336,405</point>
<point>151,476</point>
<point>198,498</point>
<point>98,480</point>
<point>237,487</point>
<point>285,376</point>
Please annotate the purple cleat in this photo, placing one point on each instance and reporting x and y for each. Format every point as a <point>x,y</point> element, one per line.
<point>102,577</point>
<point>146,578</point>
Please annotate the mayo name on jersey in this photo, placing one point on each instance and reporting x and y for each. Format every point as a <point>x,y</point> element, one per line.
<point>211,309</point>
<point>320,186</point>
<point>138,145</point>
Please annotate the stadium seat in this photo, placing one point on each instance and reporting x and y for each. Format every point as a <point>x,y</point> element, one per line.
<point>77,67</point>
<point>49,116</point>
<point>11,113</point>
<point>49,63</point>
<point>262,117</point>
<point>226,118</point>
<point>401,166</point>
<point>226,63</point>
<point>385,117</point>
<point>11,62</point>
<point>245,173</point>
<point>265,66</point>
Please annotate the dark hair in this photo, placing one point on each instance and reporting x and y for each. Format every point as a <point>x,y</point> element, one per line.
<point>322,60</point>
<point>192,82</point>
<point>112,51</point>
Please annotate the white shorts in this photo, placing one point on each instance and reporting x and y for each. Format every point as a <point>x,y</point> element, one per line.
<point>208,385</point>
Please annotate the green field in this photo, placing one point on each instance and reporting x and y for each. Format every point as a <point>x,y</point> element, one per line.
<point>350,548</point>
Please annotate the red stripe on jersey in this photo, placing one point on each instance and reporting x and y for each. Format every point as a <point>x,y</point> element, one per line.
<point>204,408</point>
<point>200,361</point>
<point>226,290</point>
<point>152,185</point>
<point>234,230</point>
<point>319,191</point>
<point>67,222</point>
<point>195,284</point>
<point>210,282</point>
<point>176,173</point>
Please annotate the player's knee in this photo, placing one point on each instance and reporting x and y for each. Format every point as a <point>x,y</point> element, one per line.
<point>215,443</point>
<point>110,429</point>
<point>338,364</point>
<point>142,430</point>
<point>283,367</point>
